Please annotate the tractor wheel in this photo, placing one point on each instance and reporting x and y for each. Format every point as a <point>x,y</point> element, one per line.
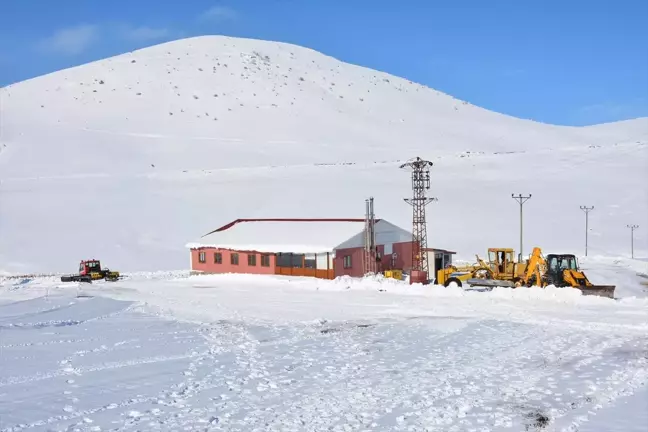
<point>451,281</point>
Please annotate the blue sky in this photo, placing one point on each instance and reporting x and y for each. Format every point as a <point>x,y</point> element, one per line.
<point>572,62</point>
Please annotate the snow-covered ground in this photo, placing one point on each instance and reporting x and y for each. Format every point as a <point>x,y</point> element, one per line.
<point>246,353</point>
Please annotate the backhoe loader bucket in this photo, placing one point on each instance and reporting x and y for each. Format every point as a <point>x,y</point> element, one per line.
<point>576,278</point>
<point>598,290</point>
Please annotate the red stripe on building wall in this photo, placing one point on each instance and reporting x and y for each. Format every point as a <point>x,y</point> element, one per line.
<point>231,224</point>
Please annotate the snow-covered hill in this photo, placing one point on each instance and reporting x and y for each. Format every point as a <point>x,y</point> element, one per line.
<point>128,158</point>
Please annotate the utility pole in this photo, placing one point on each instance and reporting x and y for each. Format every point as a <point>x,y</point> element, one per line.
<point>586,210</point>
<point>521,199</point>
<point>632,230</point>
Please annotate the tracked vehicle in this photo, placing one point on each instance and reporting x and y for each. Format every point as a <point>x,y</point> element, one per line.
<point>90,270</point>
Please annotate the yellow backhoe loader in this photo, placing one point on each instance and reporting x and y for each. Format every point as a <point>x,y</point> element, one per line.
<point>561,271</point>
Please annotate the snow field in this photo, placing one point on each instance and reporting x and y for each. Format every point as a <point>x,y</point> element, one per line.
<point>148,219</point>
<point>303,358</point>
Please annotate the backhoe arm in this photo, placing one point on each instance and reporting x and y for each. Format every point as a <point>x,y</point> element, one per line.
<point>536,268</point>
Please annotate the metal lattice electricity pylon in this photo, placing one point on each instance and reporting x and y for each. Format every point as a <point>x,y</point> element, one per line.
<point>420,184</point>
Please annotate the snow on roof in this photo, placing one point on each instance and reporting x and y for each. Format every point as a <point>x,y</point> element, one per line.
<point>281,235</point>
<point>386,233</point>
<point>300,235</point>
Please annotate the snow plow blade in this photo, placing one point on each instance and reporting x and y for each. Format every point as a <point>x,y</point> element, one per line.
<point>598,290</point>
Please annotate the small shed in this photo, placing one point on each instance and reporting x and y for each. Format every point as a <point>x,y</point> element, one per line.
<point>438,259</point>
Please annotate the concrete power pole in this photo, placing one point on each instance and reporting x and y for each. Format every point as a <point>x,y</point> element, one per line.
<point>521,199</point>
<point>632,230</point>
<point>586,210</point>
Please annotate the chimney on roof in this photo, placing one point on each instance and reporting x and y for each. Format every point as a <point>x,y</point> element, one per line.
<point>369,256</point>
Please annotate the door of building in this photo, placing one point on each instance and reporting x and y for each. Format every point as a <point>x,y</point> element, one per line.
<point>438,264</point>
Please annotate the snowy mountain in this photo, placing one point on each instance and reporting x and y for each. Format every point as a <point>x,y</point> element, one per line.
<point>129,158</point>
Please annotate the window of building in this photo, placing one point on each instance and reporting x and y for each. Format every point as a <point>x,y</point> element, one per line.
<point>389,248</point>
<point>201,257</point>
<point>322,261</point>
<point>218,258</point>
<point>234,259</point>
<point>265,260</point>
<point>297,260</point>
<point>283,260</point>
<point>347,261</point>
<point>252,260</point>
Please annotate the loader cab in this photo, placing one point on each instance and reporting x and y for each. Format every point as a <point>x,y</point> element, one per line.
<point>556,266</point>
<point>501,260</point>
<point>558,263</point>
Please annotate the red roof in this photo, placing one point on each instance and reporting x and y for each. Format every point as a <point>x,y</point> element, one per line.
<point>439,250</point>
<point>237,221</point>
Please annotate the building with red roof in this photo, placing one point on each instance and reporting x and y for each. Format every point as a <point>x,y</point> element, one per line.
<point>322,248</point>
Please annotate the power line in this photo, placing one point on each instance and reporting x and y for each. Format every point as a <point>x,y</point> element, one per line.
<point>521,199</point>
<point>586,210</point>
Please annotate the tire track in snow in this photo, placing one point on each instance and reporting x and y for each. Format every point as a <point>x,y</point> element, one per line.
<point>78,414</point>
<point>369,391</point>
<point>15,380</point>
<point>436,390</point>
<point>222,338</point>
<point>511,353</point>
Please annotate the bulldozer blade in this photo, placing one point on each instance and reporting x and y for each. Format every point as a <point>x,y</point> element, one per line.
<point>490,283</point>
<point>598,290</point>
